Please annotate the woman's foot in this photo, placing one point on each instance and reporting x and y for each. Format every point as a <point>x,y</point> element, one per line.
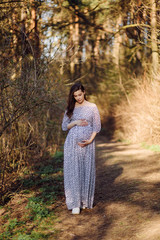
<point>76,210</point>
<point>83,206</point>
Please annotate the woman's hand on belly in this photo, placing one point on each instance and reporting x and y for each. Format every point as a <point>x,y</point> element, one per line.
<point>84,143</point>
<point>81,122</point>
<point>87,142</point>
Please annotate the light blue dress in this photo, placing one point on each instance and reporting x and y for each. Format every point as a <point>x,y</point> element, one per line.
<point>79,163</point>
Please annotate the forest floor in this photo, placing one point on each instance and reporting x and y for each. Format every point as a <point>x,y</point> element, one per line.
<point>127,197</point>
<point>126,206</point>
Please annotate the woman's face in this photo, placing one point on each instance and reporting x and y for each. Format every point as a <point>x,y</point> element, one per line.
<point>79,96</point>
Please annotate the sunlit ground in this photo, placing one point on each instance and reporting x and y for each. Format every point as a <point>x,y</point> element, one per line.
<point>127,198</point>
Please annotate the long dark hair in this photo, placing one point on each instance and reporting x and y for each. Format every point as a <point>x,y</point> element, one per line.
<point>71,100</point>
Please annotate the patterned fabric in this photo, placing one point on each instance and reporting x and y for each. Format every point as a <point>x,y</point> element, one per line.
<point>79,163</point>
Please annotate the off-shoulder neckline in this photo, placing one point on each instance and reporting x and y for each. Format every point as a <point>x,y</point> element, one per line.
<point>87,105</point>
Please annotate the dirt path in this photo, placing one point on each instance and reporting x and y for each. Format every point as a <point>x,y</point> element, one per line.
<point>127,197</point>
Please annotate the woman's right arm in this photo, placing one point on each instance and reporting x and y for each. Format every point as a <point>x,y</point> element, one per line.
<point>66,121</point>
<point>81,122</point>
<point>72,124</point>
<point>68,124</point>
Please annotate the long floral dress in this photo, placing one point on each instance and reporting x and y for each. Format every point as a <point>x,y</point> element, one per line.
<point>79,162</point>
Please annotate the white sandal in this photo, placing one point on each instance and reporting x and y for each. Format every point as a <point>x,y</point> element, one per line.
<point>76,210</point>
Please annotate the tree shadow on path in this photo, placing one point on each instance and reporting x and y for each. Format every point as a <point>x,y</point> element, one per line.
<point>124,198</point>
<point>118,191</point>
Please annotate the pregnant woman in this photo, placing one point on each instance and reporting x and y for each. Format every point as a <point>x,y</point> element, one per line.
<point>83,122</point>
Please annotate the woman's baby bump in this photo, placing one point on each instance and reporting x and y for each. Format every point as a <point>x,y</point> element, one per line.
<point>83,132</point>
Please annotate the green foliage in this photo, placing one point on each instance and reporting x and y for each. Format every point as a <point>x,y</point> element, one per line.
<point>46,170</point>
<point>26,191</point>
<point>48,194</point>
<point>28,183</point>
<point>47,182</point>
<point>16,230</point>
<point>47,179</point>
<point>58,156</point>
<point>32,236</point>
<point>23,237</point>
<point>7,234</point>
<point>37,208</point>
<point>153,147</point>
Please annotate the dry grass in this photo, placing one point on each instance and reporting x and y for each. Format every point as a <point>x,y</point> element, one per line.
<point>138,118</point>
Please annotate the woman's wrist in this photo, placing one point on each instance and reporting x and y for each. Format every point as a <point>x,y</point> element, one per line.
<point>75,123</point>
<point>92,137</point>
<point>90,140</point>
<point>72,124</point>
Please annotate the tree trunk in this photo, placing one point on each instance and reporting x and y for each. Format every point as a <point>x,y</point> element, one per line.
<point>117,41</point>
<point>96,48</point>
<point>154,45</point>
<point>34,34</point>
<point>70,50</point>
<point>95,40</point>
<point>23,32</point>
<point>14,42</point>
<point>76,47</point>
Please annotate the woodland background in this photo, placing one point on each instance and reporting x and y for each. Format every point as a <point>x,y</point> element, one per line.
<point>111,46</point>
